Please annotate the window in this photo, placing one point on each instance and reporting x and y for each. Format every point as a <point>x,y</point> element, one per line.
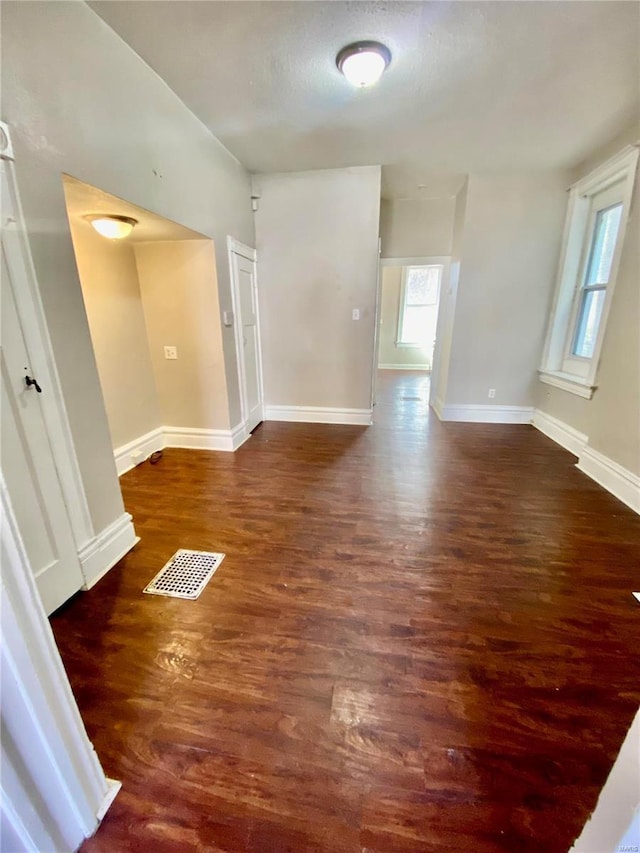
<point>419,305</point>
<point>594,233</point>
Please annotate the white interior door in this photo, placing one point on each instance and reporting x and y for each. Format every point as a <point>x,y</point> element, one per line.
<point>28,465</point>
<point>248,339</point>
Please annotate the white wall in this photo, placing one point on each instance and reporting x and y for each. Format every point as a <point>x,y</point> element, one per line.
<point>317,243</point>
<point>180,300</point>
<point>80,101</point>
<point>416,228</point>
<point>611,419</point>
<point>109,278</point>
<point>508,256</point>
<point>615,824</point>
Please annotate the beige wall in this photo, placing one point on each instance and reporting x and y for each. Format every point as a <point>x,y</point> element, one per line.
<point>388,352</point>
<point>414,228</point>
<point>611,419</point>
<point>508,256</point>
<point>80,101</point>
<point>107,270</point>
<point>317,243</point>
<point>180,299</point>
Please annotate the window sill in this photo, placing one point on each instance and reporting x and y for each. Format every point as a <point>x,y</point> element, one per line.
<point>402,345</point>
<point>567,382</point>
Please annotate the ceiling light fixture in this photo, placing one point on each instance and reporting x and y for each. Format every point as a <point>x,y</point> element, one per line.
<point>363,63</point>
<point>112,226</point>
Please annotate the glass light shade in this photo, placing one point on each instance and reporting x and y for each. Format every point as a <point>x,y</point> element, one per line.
<point>113,227</point>
<point>363,63</point>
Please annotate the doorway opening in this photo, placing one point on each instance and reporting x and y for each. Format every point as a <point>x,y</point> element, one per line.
<point>409,320</point>
<point>152,306</point>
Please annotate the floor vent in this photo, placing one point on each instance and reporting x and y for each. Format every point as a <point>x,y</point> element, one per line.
<point>185,575</point>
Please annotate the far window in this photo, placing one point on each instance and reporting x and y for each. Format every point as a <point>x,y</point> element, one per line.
<point>594,232</point>
<point>419,302</point>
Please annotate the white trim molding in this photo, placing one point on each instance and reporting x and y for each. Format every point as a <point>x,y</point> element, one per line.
<point>618,481</point>
<point>53,791</point>
<point>563,434</point>
<point>567,382</point>
<point>428,260</point>
<point>205,439</point>
<point>622,484</point>
<point>562,367</point>
<point>482,414</point>
<point>131,454</point>
<point>140,449</point>
<point>438,407</point>
<point>113,789</point>
<point>424,368</point>
<point>318,415</point>
<point>105,549</point>
<point>239,248</point>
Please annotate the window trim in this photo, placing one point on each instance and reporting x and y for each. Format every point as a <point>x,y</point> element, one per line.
<point>403,302</point>
<point>578,375</point>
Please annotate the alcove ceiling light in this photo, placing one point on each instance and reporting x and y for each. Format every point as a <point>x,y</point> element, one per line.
<point>363,63</point>
<point>112,226</point>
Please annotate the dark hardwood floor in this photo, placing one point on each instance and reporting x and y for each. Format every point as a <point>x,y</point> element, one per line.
<point>422,640</point>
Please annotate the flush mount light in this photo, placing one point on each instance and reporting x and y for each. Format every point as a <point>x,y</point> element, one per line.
<point>363,63</point>
<point>112,226</point>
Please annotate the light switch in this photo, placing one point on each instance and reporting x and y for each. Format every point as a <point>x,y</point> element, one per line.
<point>355,314</point>
<point>171,352</point>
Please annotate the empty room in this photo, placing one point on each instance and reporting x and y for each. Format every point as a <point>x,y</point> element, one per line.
<point>320,458</point>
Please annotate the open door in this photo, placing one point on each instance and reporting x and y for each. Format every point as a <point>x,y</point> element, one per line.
<point>242,262</point>
<point>27,459</point>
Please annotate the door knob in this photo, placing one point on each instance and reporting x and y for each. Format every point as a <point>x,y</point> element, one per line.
<point>33,382</point>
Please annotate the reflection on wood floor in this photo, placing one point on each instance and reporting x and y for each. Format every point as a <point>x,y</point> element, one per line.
<point>422,639</point>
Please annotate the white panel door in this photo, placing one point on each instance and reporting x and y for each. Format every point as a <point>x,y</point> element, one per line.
<point>246,292</point>
<point>28,465</point>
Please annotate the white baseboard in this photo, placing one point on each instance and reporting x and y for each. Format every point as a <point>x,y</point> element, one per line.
<point>618,481</point>
<point>199,439</point>
<point>438,407</point>
<point>239,434</point>
<point>563,434</point>
<point>105,549</point>
<point>136,451</point>
<point>425,368</point>
<point>318,415</point>
<point>486,414</point>
<point>613,477</point>
<point>113,790</point>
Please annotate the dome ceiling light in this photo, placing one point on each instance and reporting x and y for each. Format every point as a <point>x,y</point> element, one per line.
<point>363,63</point>
<point>112,226</point>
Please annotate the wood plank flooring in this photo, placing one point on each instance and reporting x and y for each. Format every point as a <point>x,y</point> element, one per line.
<point>422,640</point>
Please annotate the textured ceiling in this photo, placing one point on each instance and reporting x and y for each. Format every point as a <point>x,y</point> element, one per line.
<point>83,199</point>
<point>472,87</point>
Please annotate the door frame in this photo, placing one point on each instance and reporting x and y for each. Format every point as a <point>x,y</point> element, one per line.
<point>431,260</point>
<point>45,747</point>
<point>235,247</point>
<point>34,327</point>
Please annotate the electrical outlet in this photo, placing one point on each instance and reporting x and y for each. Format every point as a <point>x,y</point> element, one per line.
<point>355,314</point>
<point>171,352</point>
<point>492,393</point>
